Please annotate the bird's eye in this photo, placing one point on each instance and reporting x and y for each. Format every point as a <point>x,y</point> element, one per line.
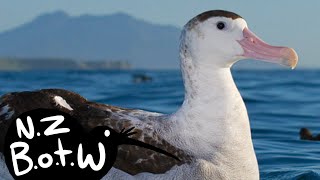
<point>221,25</point>
<point>107,133</point>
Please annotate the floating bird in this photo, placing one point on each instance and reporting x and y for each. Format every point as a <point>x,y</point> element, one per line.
<point>305,134</point>
<point>141,78</point>
<point>209,133</point>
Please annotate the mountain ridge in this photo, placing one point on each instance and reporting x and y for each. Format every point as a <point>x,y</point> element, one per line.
<point>91,37</point>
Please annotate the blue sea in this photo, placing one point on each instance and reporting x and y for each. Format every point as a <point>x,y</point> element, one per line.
<point>279,103</point>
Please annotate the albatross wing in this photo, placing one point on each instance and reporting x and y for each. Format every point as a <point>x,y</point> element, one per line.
<point>130,159</point>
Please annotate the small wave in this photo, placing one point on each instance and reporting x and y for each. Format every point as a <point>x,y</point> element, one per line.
<point>290,175</point>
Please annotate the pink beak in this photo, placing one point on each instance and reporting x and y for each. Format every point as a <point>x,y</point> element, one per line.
<point>255,48</point>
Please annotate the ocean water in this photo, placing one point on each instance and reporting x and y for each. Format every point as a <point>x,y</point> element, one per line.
<point>279,103</point>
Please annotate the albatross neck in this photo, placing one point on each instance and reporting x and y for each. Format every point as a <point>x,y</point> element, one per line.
<point>210,92</point>
<point>214,106</point>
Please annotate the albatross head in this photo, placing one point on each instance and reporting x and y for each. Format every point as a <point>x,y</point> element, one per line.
<point>221,38</point>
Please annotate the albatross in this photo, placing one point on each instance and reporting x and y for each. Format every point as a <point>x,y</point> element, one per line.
<point>209,133</point>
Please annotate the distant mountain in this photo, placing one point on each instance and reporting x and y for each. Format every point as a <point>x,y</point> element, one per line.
<point>88,37</point>
<point>117,37</point>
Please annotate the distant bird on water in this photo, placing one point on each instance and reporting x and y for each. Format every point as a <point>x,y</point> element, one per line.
<point>305,134</point>
<point>141,78</point>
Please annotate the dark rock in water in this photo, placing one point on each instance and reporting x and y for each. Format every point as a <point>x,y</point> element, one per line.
<point>141,78</point>
<point>305,134</point>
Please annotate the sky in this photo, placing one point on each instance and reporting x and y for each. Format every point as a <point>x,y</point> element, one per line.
<point>291,23</point>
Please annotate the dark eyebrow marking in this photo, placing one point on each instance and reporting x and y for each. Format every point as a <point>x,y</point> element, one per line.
<point>216,13</point>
